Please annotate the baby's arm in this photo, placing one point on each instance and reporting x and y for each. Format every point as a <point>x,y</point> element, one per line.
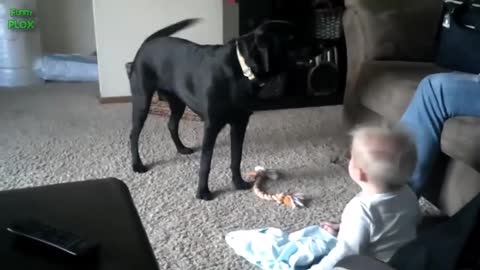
<point>353,237</point>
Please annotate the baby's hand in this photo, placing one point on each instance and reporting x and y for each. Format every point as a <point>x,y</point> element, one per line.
<point>330,227</point>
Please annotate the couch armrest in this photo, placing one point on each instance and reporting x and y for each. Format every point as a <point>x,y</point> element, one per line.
<point>361,263</point>
<point>402,30</point>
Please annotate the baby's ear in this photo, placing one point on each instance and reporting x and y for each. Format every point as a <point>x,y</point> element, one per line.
<point>362,176</point>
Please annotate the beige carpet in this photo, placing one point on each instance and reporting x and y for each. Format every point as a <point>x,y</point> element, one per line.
<point>60,133</point>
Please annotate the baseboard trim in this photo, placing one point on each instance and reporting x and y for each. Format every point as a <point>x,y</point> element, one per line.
<point>109,100</point>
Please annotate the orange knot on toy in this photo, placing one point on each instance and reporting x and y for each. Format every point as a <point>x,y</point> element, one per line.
<point>260,174</point>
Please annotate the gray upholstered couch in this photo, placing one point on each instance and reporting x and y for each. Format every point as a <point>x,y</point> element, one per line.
<point>390,48</point>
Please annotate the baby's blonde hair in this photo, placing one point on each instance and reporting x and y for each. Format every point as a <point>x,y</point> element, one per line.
<point>387,155</point>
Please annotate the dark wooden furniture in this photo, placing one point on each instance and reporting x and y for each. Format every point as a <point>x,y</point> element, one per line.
<point>102,210</point>
<point>295,92</point>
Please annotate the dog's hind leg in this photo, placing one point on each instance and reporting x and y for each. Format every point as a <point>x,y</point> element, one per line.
<point>237,136</point>
<point>177,108</point>
<point>142,98</point>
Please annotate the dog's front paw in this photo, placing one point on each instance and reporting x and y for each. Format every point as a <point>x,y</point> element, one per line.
<point>204,195</point>
<point>186,151</point>
<point>140,168</point>
<point>242,184</point>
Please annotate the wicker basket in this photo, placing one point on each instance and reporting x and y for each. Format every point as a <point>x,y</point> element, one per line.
<point>328,23</point>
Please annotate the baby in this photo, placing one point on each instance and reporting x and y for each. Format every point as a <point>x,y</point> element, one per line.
<point>384,215</point>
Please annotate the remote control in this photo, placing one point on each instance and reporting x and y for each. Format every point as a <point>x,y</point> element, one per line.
<point>64,241</point>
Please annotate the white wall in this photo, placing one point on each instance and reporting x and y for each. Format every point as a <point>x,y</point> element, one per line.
<point>67,26</point>
<point>122,25</point>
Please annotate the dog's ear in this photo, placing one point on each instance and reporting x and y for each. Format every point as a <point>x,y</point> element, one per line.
<point>261,42</point>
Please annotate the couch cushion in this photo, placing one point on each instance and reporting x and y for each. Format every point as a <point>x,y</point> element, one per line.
<point>461,140</point>
<point>386,87</point>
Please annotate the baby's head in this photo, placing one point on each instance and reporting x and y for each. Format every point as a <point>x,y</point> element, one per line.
<point>382,158</point>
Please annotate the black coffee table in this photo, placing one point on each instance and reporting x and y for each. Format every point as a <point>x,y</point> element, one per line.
<point>99,209</point>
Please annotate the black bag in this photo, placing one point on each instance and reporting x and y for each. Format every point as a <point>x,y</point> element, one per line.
<point>459,37</point>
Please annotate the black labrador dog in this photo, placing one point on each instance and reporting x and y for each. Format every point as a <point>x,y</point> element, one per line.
<point>218,82</point>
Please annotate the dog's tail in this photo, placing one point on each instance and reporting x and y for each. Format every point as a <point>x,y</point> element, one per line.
<point>172,29</point>
<point>165,32</point>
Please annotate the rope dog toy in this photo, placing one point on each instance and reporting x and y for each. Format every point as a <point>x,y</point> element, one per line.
<point>259,175</point>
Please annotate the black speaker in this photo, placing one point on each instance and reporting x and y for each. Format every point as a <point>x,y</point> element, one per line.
<point>323,76</point>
